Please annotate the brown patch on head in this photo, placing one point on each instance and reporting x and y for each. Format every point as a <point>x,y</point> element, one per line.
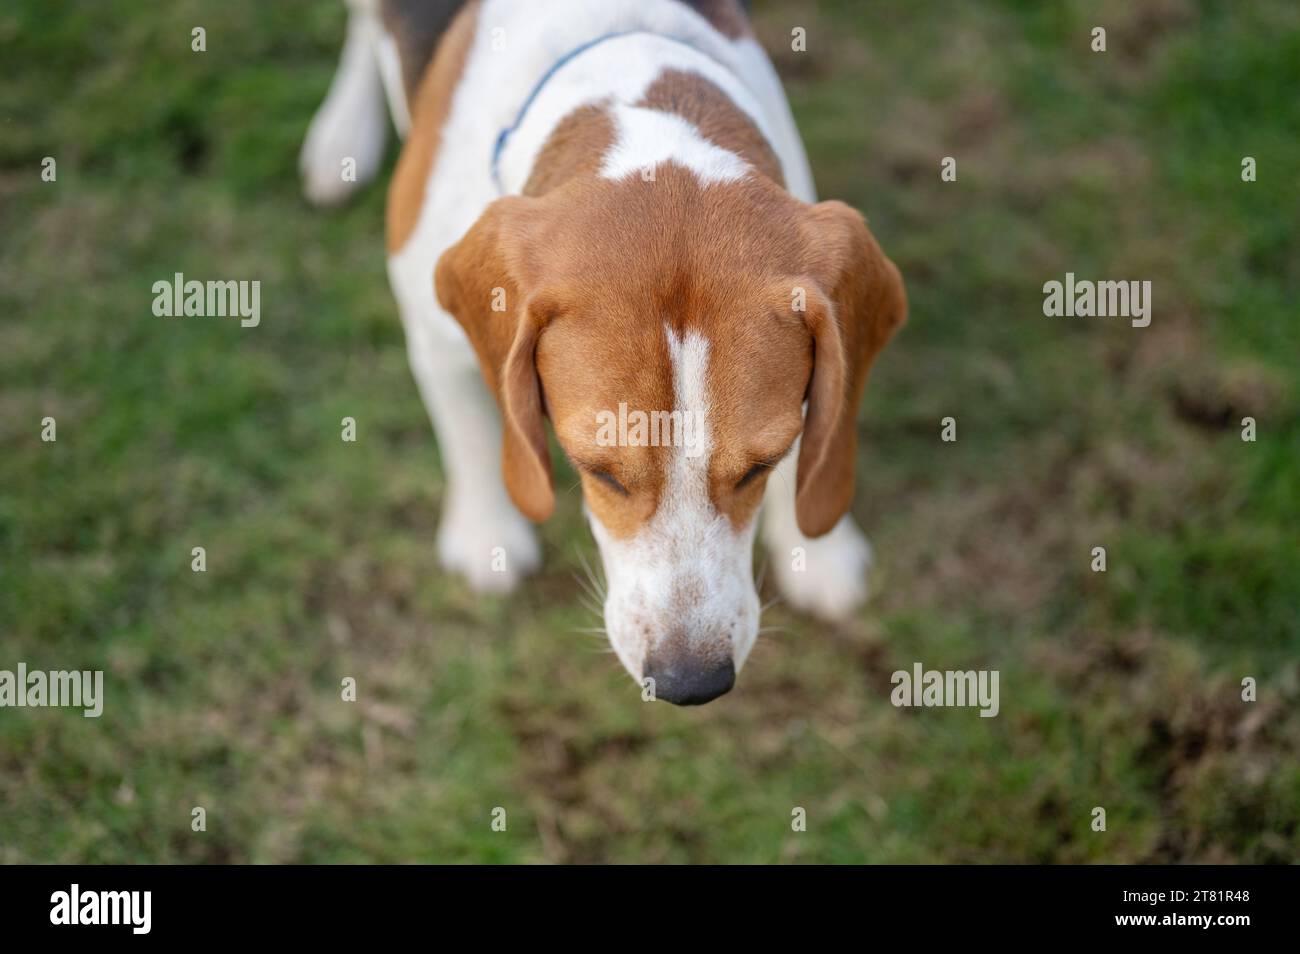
<point>636,259</point>
<point>429,109</point>
<point>725,16</point>
<point>715,116</point>
<point>618,262</point>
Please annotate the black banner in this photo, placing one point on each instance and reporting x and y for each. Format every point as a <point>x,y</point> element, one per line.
<point>333,904</point>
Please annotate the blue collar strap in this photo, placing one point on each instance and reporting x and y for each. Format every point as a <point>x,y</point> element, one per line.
<point>537,88</point>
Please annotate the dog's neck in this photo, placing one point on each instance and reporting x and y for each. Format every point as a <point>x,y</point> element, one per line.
<point>667,103</point>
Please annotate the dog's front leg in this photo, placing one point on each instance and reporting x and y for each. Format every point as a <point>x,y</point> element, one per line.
<point>826,576</point>
<point>482,536</point>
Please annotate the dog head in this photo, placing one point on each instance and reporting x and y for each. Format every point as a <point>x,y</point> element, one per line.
<point>673,333</point>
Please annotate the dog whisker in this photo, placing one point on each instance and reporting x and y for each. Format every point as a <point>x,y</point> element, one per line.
<point>589,607</point>
<point>597,584</point>
<point>594,597</point>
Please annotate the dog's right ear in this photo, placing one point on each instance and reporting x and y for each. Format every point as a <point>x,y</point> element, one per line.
<point>863,302</point>
<point>487,283</point>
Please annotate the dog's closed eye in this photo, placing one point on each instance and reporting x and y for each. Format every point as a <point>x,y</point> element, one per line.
<point>751,474</point>
<point>766,464</point>
<point>609,480</point>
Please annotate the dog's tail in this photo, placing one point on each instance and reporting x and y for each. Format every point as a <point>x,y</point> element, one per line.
<point>389,43</point>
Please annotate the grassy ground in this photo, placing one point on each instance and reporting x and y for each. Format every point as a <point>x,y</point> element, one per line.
<point>1119,690</point>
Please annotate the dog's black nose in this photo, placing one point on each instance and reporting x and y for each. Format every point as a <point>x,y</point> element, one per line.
<point>684,681</point>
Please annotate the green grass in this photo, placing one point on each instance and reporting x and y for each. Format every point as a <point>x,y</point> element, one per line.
<point>1119,689</point>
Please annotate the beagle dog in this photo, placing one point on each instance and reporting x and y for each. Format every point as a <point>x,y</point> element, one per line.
<point>604,205</point>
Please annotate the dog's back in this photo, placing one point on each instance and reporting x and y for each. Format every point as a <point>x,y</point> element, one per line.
<point>389,47</point>
<point>417,25</point>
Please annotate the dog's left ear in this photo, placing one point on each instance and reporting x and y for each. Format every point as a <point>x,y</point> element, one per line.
<point>864,303</point>
<point>486,280</point>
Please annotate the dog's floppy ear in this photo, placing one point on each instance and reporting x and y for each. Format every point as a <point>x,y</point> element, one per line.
<point>863,304</point>
<point>484,280</point>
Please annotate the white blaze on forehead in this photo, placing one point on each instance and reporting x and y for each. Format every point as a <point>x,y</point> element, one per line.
<point>690,358</point>
<point>648,137</point>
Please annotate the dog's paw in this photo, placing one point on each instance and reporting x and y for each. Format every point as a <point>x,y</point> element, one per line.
<point>344,148</point>
<point>825,577</point>
<point>493,551</point>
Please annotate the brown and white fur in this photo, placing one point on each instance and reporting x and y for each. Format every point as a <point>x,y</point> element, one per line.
<point>656,242</point>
